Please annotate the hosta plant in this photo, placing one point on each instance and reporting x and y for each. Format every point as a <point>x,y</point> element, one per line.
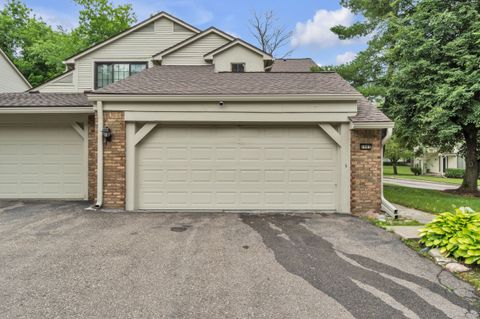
<point>455,234</point>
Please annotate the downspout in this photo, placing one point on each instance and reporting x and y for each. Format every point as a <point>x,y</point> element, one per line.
<point>387,207</point>
<point>99,202</point>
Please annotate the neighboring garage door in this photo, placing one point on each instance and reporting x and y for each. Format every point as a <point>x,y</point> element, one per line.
<point>237,167</point>
<point>41,161</point>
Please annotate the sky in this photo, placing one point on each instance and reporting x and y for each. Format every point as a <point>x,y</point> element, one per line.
<point>309,20</point>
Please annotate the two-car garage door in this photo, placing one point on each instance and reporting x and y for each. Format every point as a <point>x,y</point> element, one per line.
<point>232,167</point>
<point>39,161</point>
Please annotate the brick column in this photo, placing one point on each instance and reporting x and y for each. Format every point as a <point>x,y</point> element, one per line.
<point>92,158</point>
<point>114,162</point>
<point>366,172</point>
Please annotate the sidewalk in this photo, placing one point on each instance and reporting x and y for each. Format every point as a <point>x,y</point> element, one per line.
<point>410,232</point>
<point>419,184</point>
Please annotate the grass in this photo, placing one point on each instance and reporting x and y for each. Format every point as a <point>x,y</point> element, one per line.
<point>472,277</point>
<point>429,200</point>
<point>405,173</point>
<point>395,222</point>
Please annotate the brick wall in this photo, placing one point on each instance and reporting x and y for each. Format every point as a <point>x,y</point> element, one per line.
<point>114,162</point>
<point>92,158</point>
<point>366,172</point>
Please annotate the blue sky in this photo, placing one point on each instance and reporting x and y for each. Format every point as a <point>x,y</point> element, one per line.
<point>309,20</point>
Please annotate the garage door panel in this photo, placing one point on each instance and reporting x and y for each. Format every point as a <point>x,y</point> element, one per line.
<point>236,167</point>
<point>41,161</point>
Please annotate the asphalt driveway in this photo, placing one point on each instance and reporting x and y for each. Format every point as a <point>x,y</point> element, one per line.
<point>57,260</point>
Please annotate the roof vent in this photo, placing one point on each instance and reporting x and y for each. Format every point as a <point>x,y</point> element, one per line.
<point>34,92</point>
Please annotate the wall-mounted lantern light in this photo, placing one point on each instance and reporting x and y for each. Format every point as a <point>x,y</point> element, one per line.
<point>107,134</point>
<point>366,147</point>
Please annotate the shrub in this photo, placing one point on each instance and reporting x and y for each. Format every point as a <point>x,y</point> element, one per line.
<point>455,173</point>
<point>456,234</point>
<point>416,170</point>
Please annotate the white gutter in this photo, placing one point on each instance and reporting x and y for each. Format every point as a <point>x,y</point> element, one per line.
<point>99,155</point>
<point>387,207</point>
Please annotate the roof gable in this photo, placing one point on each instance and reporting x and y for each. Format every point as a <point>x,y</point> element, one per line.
<point>134,28</point>
<point>235,42</point>
<point>191,40</point>
<point>13,66</point>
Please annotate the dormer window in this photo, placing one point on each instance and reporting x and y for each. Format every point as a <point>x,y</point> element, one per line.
<point>238,67</point>
<point>108,73</point>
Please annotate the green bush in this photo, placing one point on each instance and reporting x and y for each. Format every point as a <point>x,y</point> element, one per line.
<point>455,173</point>
<point>456,234</point>
<point>416,170</point>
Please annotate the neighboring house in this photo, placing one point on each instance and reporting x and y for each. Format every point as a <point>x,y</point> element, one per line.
<point>168,117</point>
<point>11,80</point>
<point>434,162</point>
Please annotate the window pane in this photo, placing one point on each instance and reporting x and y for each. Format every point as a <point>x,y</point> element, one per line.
<point>238,67</point>
<point>137,68</point>
<point>120,72</point>
<point>104,75</point>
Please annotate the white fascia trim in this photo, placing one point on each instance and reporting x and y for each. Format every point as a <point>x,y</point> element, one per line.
<point>47,110</point>
<point>15,68</point>
<point>160,55</point>
<point>202,98</point>
<point>372,125</point>
<point>138,26</point>
<point>209,56</point>
<point>52,81</point>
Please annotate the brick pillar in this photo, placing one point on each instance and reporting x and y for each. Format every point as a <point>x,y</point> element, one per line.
<point>114,162</point>
<point>366,172</point>
<point>92,158</point>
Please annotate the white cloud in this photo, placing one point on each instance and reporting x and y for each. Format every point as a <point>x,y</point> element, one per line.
<point>346,57</point>
<point>317,32</point>
<point>56,18</point>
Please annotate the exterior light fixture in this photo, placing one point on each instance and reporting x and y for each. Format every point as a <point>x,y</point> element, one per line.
<point>366,147</point>
<point>107,134</point>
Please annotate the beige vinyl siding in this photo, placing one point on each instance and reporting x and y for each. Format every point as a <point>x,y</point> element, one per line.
<point>63,84</point>
<point>193,53</point>
<point>10,80</point>
<point>238,54</point>
<point>137,46</point>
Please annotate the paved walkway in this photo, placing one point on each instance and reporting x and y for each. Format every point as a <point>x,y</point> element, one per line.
<point>419,184</point>
<point>415,214</point>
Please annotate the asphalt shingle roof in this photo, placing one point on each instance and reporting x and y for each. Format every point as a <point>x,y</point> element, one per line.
<point>293,65</point>
<point>368,112</point>
<point>185,80</point>
<point>202,80</point>
<point>44,100</point>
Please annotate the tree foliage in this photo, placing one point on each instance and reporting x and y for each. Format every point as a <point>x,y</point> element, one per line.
<point>422,64</point>
<point>38,50</point>
<point>395,150</point>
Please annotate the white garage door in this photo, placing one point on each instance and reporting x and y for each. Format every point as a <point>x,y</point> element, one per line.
<point>41,161</point>
<point>237,167</point>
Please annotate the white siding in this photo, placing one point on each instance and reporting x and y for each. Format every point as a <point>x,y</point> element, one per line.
<point>238,54</point>
<point>193,53</point>
<point>10,80</point>
<point>140,45</point>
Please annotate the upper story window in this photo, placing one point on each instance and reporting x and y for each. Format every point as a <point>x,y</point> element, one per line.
<point>238,67</point>
<point>108,73</point>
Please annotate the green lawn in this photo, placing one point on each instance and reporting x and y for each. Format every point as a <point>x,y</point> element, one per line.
<point>428,200</point>
<point>405,173</point>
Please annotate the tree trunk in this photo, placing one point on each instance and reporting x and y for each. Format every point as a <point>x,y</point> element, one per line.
<point>395,171</point>
<point>470,180</point>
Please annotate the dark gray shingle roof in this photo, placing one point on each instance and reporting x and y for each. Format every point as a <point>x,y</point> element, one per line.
<point>368,112</point>
<point>293,65</point>
<point>44,100</point>
<point>202,80</point>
